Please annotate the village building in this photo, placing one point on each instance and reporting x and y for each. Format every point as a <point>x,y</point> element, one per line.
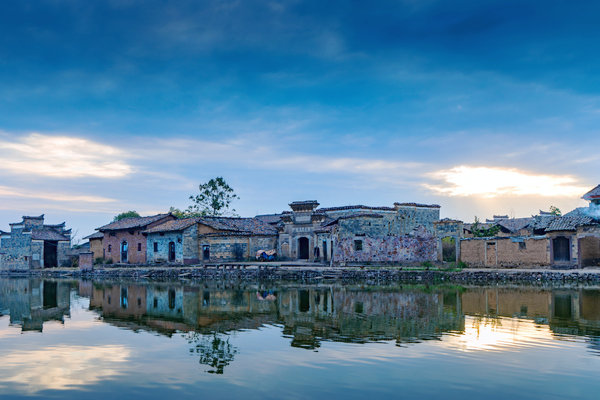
<point>174,241</point>
<point>31,244</point>
<point>234,239</point>
<point>358,233</point>
<point>123,241</point>
<point>572,240</point>
<point>95,242</point>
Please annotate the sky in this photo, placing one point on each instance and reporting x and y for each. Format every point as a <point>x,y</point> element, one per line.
<point>481,107</point>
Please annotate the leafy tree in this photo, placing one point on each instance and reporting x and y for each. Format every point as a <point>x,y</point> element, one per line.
<point>180,214</point>
<point>214,350</point>
<point>214,199</point>
<point>127,214</point>
<point>555,211</point>
<point>478,231</point>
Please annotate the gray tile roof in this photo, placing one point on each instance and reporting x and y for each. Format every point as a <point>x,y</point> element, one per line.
<point>253,226</point>
<point>131,223</point>
<point>514,224</point>
<point>355,207</point>
<point>593,194</point>
<point>95,235</point>
<point>270,218</point>
<point>173,226</point>
<point>568,223</point>
<point>48,234</point>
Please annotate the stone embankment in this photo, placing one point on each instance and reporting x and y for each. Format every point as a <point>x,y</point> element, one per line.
<point>389,274</point>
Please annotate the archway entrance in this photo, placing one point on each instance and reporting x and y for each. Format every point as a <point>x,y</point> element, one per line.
<point>449,249</point>
<point>303,248</point>
<point>171,251</point>
<point>124,252</point>
<point>561,248</point>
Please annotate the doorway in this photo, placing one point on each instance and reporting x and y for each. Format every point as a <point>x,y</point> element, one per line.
<point>449,249</point>
<point>171,251</point>
<point>50,254</point>
<point>124,252</point>
<point>324,250</point>
<point>561,248</point>
<point>206,252</point>
<point>303,248</point>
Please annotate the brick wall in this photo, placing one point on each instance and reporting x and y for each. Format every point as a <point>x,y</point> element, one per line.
<point>505,252</point>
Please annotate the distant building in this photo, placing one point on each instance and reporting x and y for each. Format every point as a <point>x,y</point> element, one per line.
<point>123,241</point>
<point>31,244</point>
<point>95,242</point>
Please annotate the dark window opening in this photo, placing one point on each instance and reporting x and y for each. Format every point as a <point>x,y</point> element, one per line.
<point>155,302</point>
<point>206,252</point>
<point>358,245</point>
<point>304,305</point>
<point>155,247</point>
<point>359,307</point>
<point>139,302</point>
<point>206,299</point>
<point>109,248</point>
<point>139,247</point>
<point>522,246</point>
<point>171,299</point>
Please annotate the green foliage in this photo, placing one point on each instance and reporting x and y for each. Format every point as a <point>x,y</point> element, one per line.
<point>555,211</point>
<point>180,214</point>
<point>214,199</point>
<point>126,214</point>
<point>479,231</point>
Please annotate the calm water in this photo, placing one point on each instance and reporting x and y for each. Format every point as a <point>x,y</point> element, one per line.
<point>83,339</point>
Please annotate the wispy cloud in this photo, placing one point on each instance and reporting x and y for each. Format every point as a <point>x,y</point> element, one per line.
<point>61,157</point>
<point>489,182</point>
<point>6,191</point>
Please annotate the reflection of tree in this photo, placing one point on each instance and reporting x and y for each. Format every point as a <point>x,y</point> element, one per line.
<point>214,350</point>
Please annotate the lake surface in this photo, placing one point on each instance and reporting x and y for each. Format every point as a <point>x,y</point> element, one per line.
<point>102,339</point>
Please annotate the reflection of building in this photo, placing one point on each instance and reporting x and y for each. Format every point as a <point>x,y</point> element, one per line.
<point>31,302</point>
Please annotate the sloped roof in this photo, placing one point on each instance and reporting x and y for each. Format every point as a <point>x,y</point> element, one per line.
<point>360,215</point>
<point>249,225</point>
<point>514,224</point>
<point>173,226</point>
<point>418,205</point>
<point>270,218</point>
<point>135,222</point>
<point>568,223</point>
<point>593,194</point>
<point>95,235</point>
<point>354,207</point>
<point>48,234</point>
<point>542,221</point>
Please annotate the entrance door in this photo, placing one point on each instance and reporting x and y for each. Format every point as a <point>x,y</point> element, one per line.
<point>206,252</point>
<point>324,250</point>
<point>124,252</point>
<point>50,254</point>
<point>303,248</point>
<point>561,249</point>
<point>171,251</point>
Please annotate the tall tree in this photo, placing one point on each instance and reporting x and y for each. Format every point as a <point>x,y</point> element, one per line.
<point>214,199</point>
<point>126,214</point>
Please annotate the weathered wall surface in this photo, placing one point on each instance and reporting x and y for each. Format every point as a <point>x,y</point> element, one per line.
<point>11,263</point>
<point>96,248</point>
<point>227,247</point>
<point>186,246</point>
<point>505,252</point>
<point>262,243</point>
<point>386,249</point>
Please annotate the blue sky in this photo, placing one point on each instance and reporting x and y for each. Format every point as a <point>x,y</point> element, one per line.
<point>481,107</point>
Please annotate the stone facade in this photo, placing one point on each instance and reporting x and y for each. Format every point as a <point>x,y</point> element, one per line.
<point>180,246</point>
<point>349,234</point>
<point>33,244</point>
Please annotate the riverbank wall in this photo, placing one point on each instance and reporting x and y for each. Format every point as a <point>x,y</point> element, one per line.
<point>252,273</point>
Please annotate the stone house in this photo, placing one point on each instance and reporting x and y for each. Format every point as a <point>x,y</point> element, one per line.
<point>123,240</point>
<point>31,244</point>
<point>174,241</point>
<point>358,233</point>
<point>234,239</point>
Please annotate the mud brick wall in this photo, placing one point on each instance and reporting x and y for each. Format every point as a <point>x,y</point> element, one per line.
<point>507,252</point>
<point>96,248</point>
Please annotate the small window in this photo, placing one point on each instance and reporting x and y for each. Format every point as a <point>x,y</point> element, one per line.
<point>155,302</point>
<point>156,247</point>
<point>139,247</point>
<point>109,248</point>
<point>111,234</point>
<point>358,245</point>
<point>522,246</point>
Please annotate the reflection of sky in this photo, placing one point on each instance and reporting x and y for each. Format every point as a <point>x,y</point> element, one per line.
<point>496,358</point>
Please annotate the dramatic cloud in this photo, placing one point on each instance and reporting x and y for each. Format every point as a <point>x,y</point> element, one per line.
<point>61,157</point>
<point>493,182</point>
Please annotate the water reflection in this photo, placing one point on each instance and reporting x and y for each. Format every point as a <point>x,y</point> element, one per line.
<point>459,320</point>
